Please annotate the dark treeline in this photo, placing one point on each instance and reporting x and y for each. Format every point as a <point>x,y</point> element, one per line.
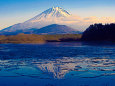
<point>100,32</point>
<point>33,38</point>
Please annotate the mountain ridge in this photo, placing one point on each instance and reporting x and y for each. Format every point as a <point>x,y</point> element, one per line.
<point>47,17</point>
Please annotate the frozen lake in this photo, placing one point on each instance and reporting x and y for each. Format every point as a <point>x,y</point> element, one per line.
<point>57,64</point>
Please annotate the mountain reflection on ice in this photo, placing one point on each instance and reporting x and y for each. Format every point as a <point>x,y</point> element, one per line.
<point>59,68</point>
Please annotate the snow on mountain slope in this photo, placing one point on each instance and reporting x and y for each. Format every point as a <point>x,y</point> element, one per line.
<point>56,12</point>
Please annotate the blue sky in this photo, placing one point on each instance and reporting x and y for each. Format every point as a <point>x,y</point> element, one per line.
<point>16,11</point>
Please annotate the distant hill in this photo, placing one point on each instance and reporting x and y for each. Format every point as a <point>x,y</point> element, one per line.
<point>50,29</point>
<point>100,32</point>
<point>56,29</point>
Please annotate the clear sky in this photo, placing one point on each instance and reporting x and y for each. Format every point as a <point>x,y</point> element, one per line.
<point>17,11</point>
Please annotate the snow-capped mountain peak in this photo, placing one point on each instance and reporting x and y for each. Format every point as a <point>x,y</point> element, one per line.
<point>54,12</point>
<point>57,12</point>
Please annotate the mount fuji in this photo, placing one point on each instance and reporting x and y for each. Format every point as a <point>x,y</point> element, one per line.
<point>55,15</point>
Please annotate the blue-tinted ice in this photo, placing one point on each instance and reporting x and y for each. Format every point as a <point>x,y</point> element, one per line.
<point>57,64</point>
